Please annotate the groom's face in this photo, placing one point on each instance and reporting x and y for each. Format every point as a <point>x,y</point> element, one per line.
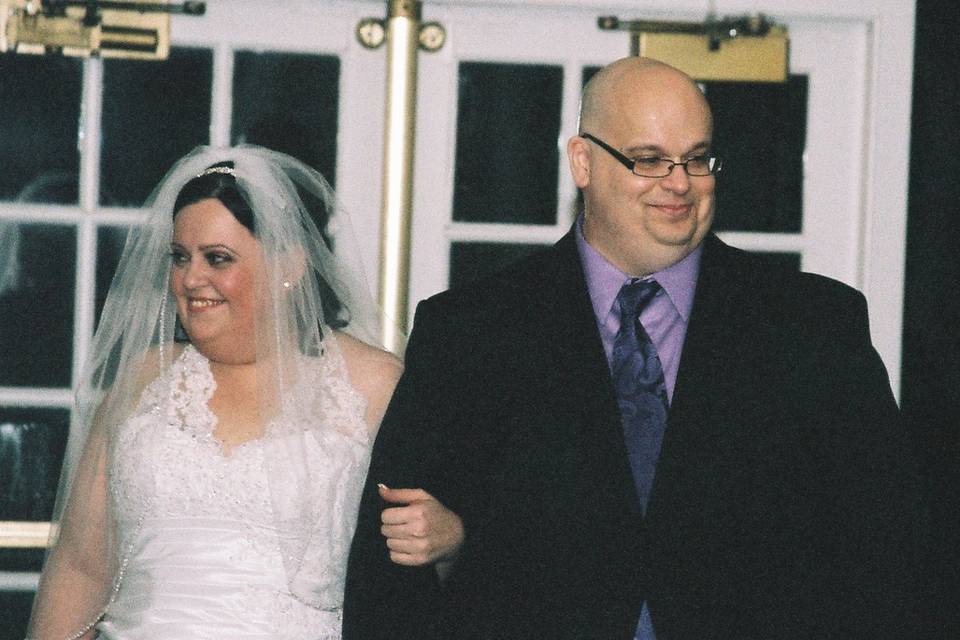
<point>642,224</point>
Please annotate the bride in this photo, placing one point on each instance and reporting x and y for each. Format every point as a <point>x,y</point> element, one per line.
<point>225,420</point>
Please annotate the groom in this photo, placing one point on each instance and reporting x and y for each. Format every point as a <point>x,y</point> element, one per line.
<point>648,434</point>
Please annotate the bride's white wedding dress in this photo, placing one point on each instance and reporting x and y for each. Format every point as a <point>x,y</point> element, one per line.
<point>202,551</point>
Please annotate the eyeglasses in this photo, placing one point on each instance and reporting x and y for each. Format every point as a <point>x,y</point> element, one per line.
<point>655,167</point>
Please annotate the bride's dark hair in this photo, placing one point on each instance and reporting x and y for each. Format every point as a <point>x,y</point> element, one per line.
<point>223,187</point>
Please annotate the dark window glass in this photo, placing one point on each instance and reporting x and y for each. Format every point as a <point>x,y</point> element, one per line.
<point>40,102</point>
<point>110,241</point>
<point>760,130</point>
<point>288,102</point>
<point>587,73</point>
<point>471,261</point>
<point>36,304</point>
<point>16,612</point>
<point>508,123</point>
<point>20,559</point>
<point>154,112</point>
<point>32,442</point>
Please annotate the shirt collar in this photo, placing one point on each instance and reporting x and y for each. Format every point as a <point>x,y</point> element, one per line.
<point>604,280</point>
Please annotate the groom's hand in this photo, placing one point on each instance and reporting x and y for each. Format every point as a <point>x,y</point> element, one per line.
<point>421,531</point>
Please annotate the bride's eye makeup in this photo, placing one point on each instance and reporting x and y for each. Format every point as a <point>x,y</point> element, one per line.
<point>218,258</point>
<point>178,257</point>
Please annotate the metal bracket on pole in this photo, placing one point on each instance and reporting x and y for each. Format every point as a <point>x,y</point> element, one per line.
<point>372,32</point>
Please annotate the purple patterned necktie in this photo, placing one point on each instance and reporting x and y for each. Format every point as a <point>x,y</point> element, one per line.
<point>639,384</point>
<point>642,397</point>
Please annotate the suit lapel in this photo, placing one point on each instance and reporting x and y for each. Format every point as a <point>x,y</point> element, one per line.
<point>567,333</point>
<point>565,343</point>
<point>580,376</point>
<point>707,388</point>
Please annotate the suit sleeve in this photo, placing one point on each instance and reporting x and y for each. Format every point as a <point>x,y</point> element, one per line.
<point>876,522</point>
<point>384,600</point>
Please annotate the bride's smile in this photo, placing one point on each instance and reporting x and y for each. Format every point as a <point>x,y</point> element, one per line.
<point>214,265</point>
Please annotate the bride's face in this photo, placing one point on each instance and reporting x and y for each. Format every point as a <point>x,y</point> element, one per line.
<point>214,265</point>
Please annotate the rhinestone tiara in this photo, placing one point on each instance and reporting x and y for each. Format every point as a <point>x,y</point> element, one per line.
<point>224,170</point>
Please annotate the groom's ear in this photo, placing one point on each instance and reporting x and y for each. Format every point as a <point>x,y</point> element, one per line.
<point>578,156</point>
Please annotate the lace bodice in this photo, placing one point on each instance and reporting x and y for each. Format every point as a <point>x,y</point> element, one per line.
<point>195,519</point>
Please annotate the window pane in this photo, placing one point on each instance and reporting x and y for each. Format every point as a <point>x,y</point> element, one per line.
<point>288,102</point>
<point>40,100</point>
<point>586,73</point>
<point>20,559</point>
<point>32,442</point>
<point>760,130</point>
<point>471,261</point>
<point>16,607</point>
<point>110,241</point>
<point>508,123</point>
<point>36,304</point>
<point>154,112</point>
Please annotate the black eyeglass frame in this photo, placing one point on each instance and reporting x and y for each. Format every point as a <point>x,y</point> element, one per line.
<point>715,163</point>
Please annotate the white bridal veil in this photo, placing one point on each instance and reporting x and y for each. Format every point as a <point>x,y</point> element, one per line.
<point>311,284</point>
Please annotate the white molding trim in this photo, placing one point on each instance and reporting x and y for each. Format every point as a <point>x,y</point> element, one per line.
<point>767,242</point>
<point>19,580</point>
<point>887,151</point>
<point>504,233</point>
<point>24,535</point>
<point>39,397</point>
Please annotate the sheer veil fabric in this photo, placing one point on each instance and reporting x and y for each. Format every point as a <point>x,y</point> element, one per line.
<point>311,285</point>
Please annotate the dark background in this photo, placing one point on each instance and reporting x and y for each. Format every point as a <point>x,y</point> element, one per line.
<point>931,338</point>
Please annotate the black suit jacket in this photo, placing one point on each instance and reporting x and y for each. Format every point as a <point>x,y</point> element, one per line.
<point>784,501</point>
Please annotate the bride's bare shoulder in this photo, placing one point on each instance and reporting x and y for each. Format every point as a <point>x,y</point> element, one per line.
<point>369,363</point>
<point>372,371</point>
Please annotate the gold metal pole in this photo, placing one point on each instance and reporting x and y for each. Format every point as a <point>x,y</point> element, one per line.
<point>403,25</point>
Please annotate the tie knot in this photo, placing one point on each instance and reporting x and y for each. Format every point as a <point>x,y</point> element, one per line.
<point>635,295</point>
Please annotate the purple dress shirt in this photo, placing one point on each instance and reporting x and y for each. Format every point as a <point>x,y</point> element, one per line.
<point>664,319</point>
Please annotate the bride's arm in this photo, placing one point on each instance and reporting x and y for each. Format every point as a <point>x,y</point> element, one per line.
<point>80,568</point>
<point>75,583</point>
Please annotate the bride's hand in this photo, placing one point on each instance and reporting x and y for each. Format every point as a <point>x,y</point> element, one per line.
<point>421,530</point>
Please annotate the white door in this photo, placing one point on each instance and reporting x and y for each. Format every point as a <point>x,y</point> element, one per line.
<point>818,169</point>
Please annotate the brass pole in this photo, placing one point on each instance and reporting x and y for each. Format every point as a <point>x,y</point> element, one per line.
<point>403,23</point>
